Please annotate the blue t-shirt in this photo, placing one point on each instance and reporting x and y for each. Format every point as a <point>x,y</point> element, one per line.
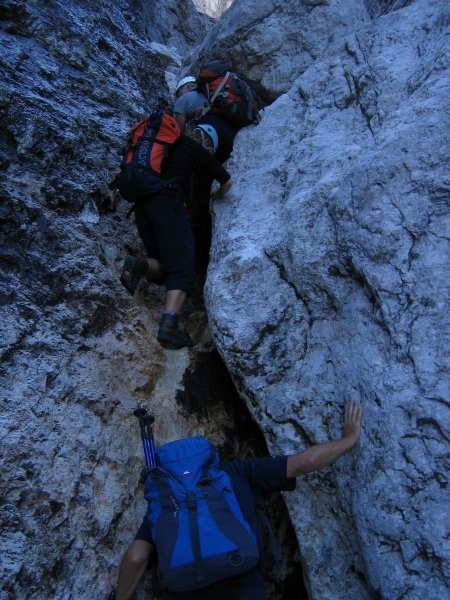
<point>250,478</point>
<point>191,104</point>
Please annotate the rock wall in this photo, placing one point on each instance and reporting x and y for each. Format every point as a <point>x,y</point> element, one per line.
<point>328,281</point>
<point>77,354</point>
<point>213,8</point>
<point>273,42</point>
<point>170,22</point>
<point>338,220</point>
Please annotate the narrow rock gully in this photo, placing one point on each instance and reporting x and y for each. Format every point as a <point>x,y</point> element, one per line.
<point>208,393</point>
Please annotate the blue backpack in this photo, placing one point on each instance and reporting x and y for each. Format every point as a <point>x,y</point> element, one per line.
<point>197,525</point>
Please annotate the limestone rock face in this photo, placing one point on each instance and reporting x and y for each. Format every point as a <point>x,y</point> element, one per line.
<point>213,8</point>
<point>171,22</point>
<point>328,281</point>
<point>77,354</point>
<point>274,42</point>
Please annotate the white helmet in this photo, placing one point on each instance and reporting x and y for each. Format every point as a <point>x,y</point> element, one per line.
<point>209,129</point>
<point>184,81</point>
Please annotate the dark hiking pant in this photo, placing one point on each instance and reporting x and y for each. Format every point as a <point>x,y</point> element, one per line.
<point>163,224</point>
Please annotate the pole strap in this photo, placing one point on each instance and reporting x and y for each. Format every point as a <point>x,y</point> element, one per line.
<point>220,88</point>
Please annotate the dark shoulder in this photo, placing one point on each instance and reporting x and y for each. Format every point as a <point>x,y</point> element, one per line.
<point>188,145</point>
<point>244,467</point>
<point>262,474</point>
<point>187,142</point>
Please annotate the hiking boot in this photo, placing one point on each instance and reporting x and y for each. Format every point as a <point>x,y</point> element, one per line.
<point>169,336</point>
<point>134,268</point>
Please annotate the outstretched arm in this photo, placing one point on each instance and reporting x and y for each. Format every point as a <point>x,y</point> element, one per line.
<point>132,568</point>
<point>321,455</point>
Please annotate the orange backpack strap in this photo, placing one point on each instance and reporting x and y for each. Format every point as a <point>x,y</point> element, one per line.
<point>149,141</point>
<point>169,132</point>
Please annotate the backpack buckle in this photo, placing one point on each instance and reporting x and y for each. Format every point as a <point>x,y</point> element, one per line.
<point>191,500</point>
<point>205,480</point>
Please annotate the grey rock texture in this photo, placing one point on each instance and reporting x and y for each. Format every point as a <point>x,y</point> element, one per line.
<point>274,42</point>
<point>376,8</point>
<point>328,281</point>
<point>213,8</point>
<point>77,354</point>
<point>171,22</point>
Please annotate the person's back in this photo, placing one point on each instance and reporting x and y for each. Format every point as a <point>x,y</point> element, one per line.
<point>225,131</point>
<point>190,105</point>
<point>187,158</point>
<point>248,477</point>
<point>164,227</point>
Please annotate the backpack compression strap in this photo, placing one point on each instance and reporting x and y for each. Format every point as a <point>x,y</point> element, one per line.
<point>220,88</point>
<point>211,100</point>
<point>160,479</point>
<point>191,502</point>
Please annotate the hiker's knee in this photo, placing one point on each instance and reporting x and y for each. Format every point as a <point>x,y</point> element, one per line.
<point>138,553</point>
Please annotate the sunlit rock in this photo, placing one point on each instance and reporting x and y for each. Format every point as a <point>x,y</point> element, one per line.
<point>328,281</point>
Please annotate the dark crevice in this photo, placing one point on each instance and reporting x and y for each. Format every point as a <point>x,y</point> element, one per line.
<point>209,394</point>
<point>378,8</point>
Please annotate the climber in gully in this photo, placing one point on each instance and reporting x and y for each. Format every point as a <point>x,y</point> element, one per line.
<point>248,479</point>
<point>162,217</point>
<point>220,102</point>
<point>192,107</point>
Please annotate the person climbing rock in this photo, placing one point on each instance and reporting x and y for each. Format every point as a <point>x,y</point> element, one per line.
<point>162,221</point>
<point>249,478</point>
<point>191,105</point>
<point>192,110</point>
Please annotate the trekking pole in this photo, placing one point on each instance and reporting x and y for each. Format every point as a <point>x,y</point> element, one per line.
<point>148,420</point>
<point>141,413</point>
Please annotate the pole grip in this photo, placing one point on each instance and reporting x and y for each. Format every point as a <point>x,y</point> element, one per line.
<point>148,420</point>
<point>145,444</point>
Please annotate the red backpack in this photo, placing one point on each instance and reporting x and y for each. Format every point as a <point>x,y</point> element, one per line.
<point>149,142</point>
<point>229,94</point>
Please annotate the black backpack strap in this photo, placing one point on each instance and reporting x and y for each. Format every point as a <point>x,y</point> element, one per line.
<point>131,211</point>
<point>160,478</point>
<point>276,552</point>
<point>225,519</point>
<point>191,502</point>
